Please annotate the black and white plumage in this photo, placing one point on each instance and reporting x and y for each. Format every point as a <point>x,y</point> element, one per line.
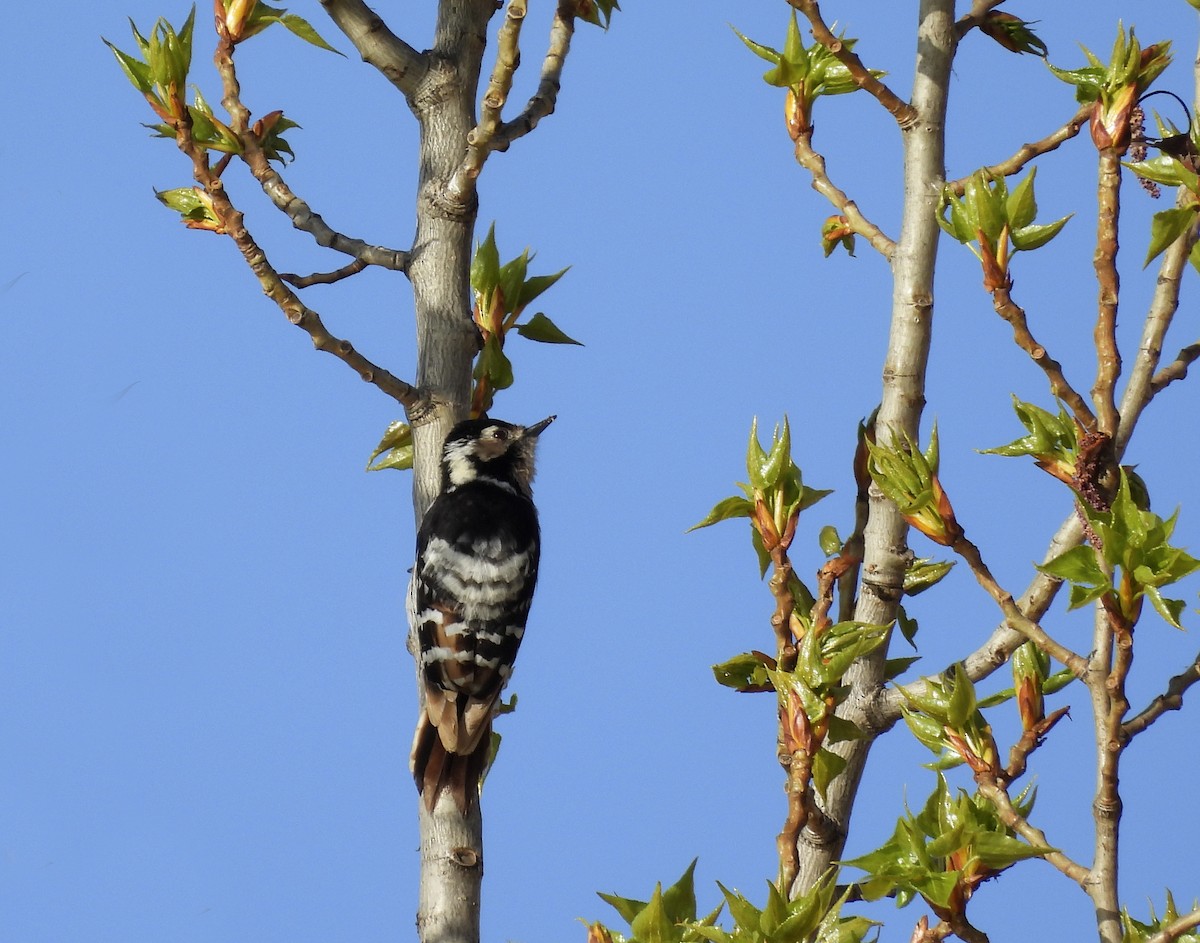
<point>477,562</point>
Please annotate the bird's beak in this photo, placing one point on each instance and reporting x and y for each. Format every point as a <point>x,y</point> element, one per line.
<point>532,432</point>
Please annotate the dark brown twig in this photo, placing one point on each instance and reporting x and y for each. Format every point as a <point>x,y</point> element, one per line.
<point>1011,312</point>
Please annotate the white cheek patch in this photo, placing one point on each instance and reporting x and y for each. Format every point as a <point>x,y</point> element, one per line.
<point>459,467</point>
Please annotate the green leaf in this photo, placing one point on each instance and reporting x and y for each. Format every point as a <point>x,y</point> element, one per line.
<point>1078,566</point>
<point>1021,206</point>
<point>1169,609</point>
<point>1034,237</point>
<point>302,28</point>
<point>652,924</point>
<point>540,328</point>
<point>135,70</point>
<point>536,284</point>
<point>679,900</point>
<point>1166,227</point>
<point>1166,170</point>
<point>395,449</point>
<point>829,541</point>
<point>743,673</point>
<point>825,768</point>
<point>494,365</point>
<point>597,12</point>
<point>756,458</point>
<point>725,510</point>
<point>485,266</point>
<point>511,279</point>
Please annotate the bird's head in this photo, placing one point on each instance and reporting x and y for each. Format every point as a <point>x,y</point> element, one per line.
<point>493,450</point>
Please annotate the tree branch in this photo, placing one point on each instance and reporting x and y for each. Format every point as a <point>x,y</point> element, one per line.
<point>996,794</point>
<point>543,101</point>
<point>323,278</point>
<point>232,223</point>
<point>1108,355</point>
<point>479,141</point>
<point>906,115</point>
<point>1027,152</point>
<point>1011,312</point>
<point>304,219</point>
<point>399,62</point>
<point>1176,369</point>
<point>814,163</point>
<point>1013,616</point>
<point>1169,700</point>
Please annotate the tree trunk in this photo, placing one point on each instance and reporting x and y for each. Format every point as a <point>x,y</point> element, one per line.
<point>885,551</point>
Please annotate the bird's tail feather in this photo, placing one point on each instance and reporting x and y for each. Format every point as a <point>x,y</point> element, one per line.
<point>435,769</point>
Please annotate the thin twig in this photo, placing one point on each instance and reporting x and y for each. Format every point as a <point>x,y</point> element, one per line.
<point>232,223</point>
<point>1108,355</point>
<point>1144,384</point>
<point>1169,700</point>
<point>998,796</point>
<point>1011,312</point>
<point>904,113</point>
<point>399,62</point>
<point>1013,615</point>
<point>814,163</point>
<point>323,278</point>
<point>304,219</point>
<point>1176,369</point>
<point>1027,152</point>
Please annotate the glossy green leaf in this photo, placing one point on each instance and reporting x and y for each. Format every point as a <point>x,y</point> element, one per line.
<point>829,541</point>
<point>536,284</point>
<point>1036,236</point>
<point>725,510</point>
<point>745,672</point>
<point>485,266</point>
<point>395,449</point>
<point>1168,226</point>
<point>1021,205</point>
<point>540,328</point>
<point>302,28</point>
<point>494,364</point>
<point>826,767</point>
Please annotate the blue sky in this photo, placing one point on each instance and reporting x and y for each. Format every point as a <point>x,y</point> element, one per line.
<point>206,699</point>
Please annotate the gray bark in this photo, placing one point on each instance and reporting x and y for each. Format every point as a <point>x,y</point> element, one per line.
<point>885,550</point>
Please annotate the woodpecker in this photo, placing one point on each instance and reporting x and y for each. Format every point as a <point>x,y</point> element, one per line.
<point>477,563</point>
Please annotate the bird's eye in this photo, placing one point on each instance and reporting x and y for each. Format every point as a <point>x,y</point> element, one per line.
<point>500,434</point>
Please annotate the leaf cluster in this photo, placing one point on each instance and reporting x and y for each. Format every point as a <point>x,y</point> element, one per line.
<point>1052,440</point>
<point>1132,558</point>
<point>502,293</point>
<point>946,717</point>
<point>994,222</point>
<point>909,478</point>
<point>160,73</point>
<point>945,851</point>
<point>806,72</point>
<point>773,498</point>
<point>670,917</point>
<point>1115,87</point>
<point>1138,932</point>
